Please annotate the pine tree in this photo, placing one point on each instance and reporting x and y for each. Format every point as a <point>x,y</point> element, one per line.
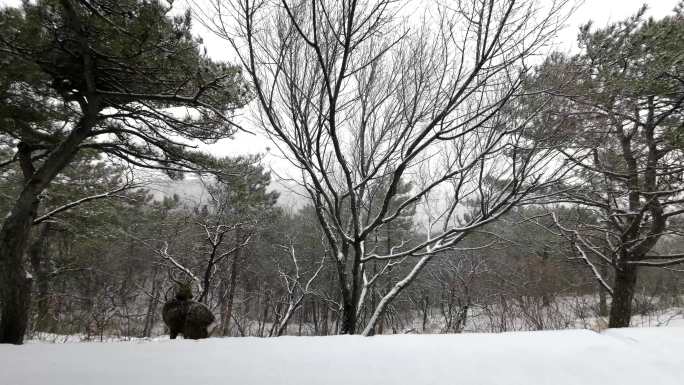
<point>617,117</point>
<point>104,76</point>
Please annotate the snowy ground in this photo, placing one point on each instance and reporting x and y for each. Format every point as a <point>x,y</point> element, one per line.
<point>625,356</point>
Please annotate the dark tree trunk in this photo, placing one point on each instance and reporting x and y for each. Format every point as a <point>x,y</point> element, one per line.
<point>348,317</point>
<point>314,317</point>
<point>603,302</point>
<point>37,257</point>
<point>16,296</point>
<point>623,293</point>
<point>232,283</point>
<point>426,309</point>
<point>545,281</point>
<point>16,283</point>
<point>223,306</point>
<point>350,291</point>
<point>151,316</point>
<point>324,319</point>
<point>264,319</point>
<point>462,318</point>
<point>302,314</point>
<point>16,229</point>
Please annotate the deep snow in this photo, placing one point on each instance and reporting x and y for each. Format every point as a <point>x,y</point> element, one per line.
<point>579,357</point>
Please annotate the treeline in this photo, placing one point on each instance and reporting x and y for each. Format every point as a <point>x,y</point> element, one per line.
<point>104,269</point>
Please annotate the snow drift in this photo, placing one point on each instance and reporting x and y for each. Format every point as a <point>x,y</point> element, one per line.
<point>621,356</point>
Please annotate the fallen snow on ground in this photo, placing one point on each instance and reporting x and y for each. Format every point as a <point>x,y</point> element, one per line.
<point>619,356</point>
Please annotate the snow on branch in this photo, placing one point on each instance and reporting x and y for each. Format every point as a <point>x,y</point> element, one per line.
<point>70,205</point>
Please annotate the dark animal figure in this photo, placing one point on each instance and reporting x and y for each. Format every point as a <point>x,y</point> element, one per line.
<point>187,317</point>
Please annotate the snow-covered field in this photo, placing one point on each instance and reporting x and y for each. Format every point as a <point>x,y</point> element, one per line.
<point>644,356</point>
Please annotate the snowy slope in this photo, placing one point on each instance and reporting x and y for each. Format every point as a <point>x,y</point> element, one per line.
<point>629,356</point>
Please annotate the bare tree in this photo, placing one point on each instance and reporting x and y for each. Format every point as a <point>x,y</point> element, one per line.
<point>356,95</point>
<point>298,287</point>
<point>456,278</point>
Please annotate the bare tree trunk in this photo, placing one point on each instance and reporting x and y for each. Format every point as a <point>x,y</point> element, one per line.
<point>314,317</point>
<point>223,309</point>
<point>276,320</point>
<point>283,322</point>
<point>150,317</point>
<point>349,302</point>
<point>426,310</point>
<point>603,303</point>
<point>348,325</point>
<point>462,318</point>
<point>623,294</point>
<point>396,289</point>
<point>264,319</point>
<point>232,282</point>
<point>324,319</point>
<point>545,282</point>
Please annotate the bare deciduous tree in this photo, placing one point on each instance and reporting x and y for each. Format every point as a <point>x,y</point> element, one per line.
<point>357,95</point>
<point>297,286</point>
